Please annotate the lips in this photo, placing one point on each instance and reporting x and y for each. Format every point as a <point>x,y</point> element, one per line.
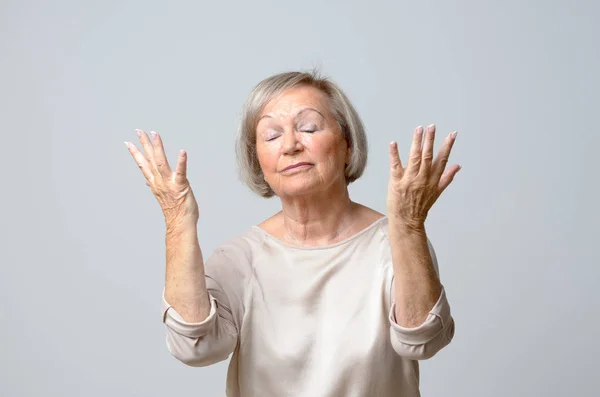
<point>290,167</point>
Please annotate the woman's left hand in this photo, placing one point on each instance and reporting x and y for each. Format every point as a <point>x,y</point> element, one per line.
<point>413,190</point>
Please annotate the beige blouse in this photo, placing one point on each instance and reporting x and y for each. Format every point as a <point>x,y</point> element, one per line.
<point>308,321</point>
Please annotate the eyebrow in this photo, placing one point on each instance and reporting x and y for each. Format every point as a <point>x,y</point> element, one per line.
<point>297,114</point>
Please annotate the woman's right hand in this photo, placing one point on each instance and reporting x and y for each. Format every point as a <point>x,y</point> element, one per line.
<point>171,189</point>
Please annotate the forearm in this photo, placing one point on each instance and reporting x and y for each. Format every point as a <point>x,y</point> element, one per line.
<point>417,285</point>
<point>185,284</point>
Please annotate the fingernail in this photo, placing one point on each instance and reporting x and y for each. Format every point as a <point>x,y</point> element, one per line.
<point>419,130</point>
<point>138,132</point>
<point>153,133</point>
<point>431,127</point>
<point>453,135</point>
<point>127,144</point>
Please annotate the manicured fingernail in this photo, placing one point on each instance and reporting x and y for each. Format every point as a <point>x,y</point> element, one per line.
<point>419,130</point>
<point>431,127</point>
<point>138,132</point>
<point>153,133</point>
<point>453,135</point>
<point>127,144</point>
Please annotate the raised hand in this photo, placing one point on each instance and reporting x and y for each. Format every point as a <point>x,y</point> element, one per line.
<point>171,189</point>
<point>413,190</point>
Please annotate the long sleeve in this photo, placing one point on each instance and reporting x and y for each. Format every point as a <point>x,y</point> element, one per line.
<point>200,344</point>
<point>436,332</point>
<point>214,339</point>
<point>310,321</point>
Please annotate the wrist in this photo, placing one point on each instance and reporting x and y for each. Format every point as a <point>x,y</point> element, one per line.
<point>181,223</point>
<point>403,227</point>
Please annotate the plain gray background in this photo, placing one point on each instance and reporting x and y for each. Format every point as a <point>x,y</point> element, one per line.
<point>83,238</point>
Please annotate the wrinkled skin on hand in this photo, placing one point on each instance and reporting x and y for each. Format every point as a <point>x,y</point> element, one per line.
<point>171,188</point>
<point>412,190</point>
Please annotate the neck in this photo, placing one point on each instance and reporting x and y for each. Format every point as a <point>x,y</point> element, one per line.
<point>317,219</point>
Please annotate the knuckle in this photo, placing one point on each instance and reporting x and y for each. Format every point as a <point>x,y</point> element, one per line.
<point>411,187</point>
<point>402,186</point>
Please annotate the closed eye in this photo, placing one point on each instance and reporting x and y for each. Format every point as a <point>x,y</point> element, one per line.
<point>309,129</point>
<point>272,135</point>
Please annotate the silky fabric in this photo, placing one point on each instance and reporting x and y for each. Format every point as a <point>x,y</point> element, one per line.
<point>308,321</point>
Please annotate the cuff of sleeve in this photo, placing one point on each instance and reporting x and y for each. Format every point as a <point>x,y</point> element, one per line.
<point>438,317</point>
<point>193,330</point>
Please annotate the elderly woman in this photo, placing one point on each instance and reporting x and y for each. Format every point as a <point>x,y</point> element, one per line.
<point>327,297</point>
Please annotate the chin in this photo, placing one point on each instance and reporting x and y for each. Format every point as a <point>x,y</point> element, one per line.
<point>298,189</point>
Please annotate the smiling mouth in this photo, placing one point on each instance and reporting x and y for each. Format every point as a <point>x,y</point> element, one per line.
<point>294,166</point>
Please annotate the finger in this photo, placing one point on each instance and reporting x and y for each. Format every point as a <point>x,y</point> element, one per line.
<point>147,145</point>
<point>447,177</point>
<point>414,161</point>
<point>427,153</point>
<point>441,160</point>
<point>395,162</point>
<point>140,161</point>
<point>160,158</point>
<point>181,169</point>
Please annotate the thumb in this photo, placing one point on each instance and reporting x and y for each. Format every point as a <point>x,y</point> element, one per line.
<point>181,168</point>
<point>395,162</point>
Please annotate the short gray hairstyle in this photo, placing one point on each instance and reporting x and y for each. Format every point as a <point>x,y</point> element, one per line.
<point>341,107</point>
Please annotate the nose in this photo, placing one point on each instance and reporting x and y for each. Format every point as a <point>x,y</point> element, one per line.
<point>291,143</point>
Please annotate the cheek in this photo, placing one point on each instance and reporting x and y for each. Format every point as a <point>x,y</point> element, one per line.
<point>328,149</point>
<point>267,158</point>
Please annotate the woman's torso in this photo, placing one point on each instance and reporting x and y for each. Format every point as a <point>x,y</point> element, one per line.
<point>316,320</point>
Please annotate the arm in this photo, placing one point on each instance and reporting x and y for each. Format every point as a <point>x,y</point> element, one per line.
<point>420,320</point>
<point>420,317</point>
<point>185,284</point>
<point>201,330</point>
<point>195,334</point>
<point>417,285</point>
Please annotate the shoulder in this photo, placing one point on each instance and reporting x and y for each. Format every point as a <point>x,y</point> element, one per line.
<point>366,219</point>
<point>366,214</point>
<point>273,225</point>
<point>236,253</point>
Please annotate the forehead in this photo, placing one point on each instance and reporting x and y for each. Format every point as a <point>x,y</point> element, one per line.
<point>293,100</point>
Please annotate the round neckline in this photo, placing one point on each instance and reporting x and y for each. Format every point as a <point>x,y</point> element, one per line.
<point>319,247</point>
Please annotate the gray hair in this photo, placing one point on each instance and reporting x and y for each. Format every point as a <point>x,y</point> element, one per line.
<point>345,114</point>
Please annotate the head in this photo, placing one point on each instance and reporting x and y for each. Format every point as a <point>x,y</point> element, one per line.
<point>299,119</point>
